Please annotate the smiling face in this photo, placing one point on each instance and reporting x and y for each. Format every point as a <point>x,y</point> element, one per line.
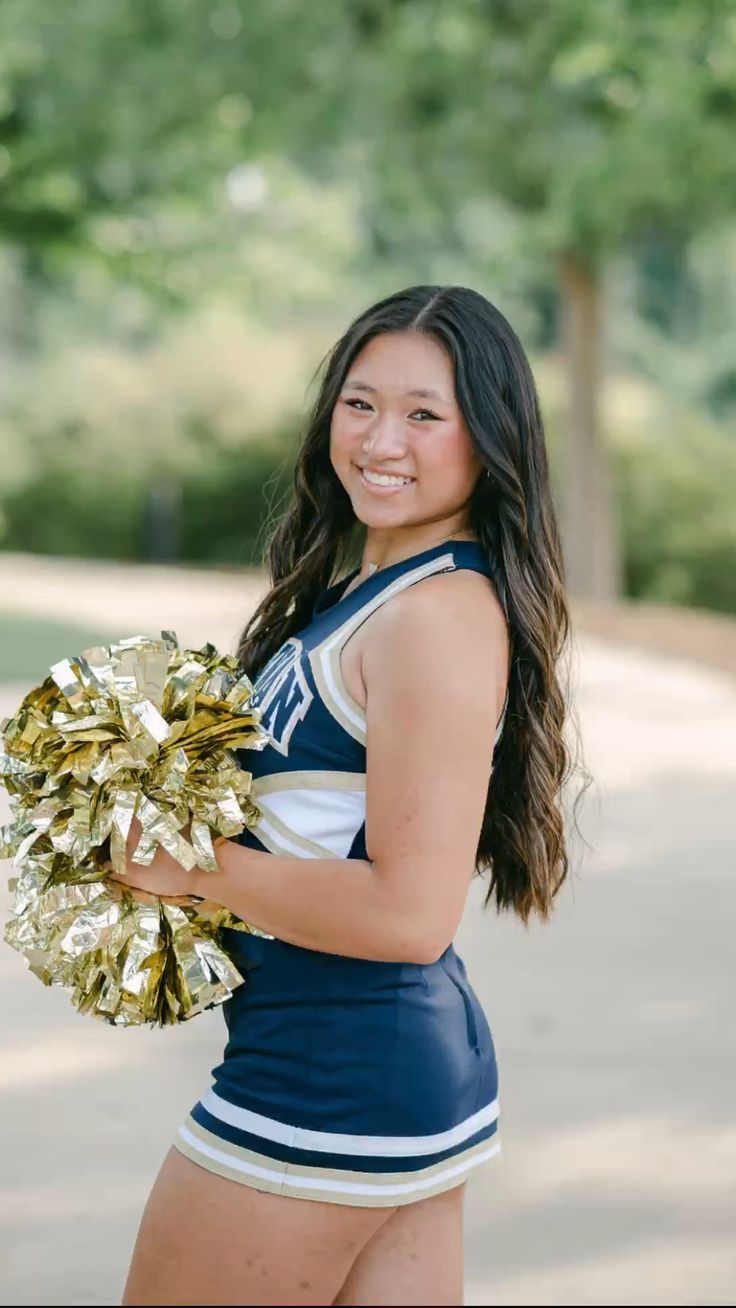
<point>397,415</point>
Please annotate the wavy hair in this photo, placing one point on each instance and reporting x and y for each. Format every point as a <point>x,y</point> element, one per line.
<point>522,843</point>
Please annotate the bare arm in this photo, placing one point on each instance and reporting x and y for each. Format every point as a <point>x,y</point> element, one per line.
<point>434,670</point>
<point>337,905</point>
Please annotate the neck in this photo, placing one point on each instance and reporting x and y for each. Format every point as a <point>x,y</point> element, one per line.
<point>374,559</point>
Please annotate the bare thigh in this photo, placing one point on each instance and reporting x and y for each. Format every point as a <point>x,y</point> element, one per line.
<point>204,1239</point>
<point>416,1257</point>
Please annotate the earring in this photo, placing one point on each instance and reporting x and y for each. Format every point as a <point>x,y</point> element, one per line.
<point>488,472</point>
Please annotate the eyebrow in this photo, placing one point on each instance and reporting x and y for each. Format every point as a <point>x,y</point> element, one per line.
<point>426,395</point>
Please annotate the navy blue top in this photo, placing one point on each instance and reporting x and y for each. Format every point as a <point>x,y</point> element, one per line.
<point>309,780</point>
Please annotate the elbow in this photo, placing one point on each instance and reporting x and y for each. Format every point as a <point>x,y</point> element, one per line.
<point>423,948</point>
<point>411,933</point>
<point>430,952</point>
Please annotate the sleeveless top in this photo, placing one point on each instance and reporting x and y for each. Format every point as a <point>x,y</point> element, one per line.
<point>309,780</point>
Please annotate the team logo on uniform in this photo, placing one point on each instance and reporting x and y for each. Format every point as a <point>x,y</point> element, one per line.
<point>281,694</point>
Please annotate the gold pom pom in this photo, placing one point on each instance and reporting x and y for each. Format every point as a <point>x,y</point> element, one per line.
<point>140,728</point>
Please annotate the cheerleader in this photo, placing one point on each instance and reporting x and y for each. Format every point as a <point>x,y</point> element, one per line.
<point>405,662</point>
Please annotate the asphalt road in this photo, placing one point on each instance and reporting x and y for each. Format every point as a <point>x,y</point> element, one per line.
<point>613,1025</point>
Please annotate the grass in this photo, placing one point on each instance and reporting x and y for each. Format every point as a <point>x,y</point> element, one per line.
<point>29,645</point>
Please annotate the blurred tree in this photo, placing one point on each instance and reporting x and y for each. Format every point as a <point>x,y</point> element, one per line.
<point>597,124</point>
<point>113,109</point>
<point>593,125</point>
<point>672,318</point>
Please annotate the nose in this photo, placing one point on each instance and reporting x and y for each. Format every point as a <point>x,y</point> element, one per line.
<point>386,439</point>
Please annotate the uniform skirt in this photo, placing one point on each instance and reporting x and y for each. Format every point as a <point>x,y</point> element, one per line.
<point>347,1080</point>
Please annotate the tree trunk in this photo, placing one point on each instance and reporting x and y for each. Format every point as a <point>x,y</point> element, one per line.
<point>588,519</point>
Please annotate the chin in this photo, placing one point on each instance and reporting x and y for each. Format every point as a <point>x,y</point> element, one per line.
<point>378,519</point>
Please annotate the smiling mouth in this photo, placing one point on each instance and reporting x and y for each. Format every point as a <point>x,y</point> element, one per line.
<point>385,485</point>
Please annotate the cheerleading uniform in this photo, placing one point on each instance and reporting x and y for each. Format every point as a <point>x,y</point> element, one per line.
<point>348,1080</point>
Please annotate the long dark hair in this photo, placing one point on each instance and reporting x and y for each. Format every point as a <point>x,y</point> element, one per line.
<point>522,841</point>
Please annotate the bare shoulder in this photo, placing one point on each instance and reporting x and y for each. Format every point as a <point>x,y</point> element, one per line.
<point>450,619</point>
<point>435,674</point>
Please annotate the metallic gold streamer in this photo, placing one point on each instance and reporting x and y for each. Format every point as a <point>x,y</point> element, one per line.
<point>140,728</point>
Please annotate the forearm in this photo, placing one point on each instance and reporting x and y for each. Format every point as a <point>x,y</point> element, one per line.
<point>335,905</point>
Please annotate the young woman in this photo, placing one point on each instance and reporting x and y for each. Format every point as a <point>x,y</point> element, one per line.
<point>358,1090</point>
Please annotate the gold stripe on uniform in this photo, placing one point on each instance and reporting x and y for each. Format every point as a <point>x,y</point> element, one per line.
<point>308,780</point>
<point>324,659</point>
<point>369,1189</point>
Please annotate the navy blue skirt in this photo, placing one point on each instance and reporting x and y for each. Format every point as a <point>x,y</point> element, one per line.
<point>347,1080</point>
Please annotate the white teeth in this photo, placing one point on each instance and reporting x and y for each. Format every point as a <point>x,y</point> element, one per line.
<point>382,479</point>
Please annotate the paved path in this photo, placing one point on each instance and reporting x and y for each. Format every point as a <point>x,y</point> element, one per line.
<point>613,1025</point>
<point>199,604</point>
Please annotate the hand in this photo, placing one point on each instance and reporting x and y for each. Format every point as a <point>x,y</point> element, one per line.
<point>163,877</point>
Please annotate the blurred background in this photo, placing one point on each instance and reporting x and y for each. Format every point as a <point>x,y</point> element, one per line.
<point>196,197</point>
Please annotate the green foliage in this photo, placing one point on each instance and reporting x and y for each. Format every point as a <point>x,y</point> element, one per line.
<point>442,140</point>
<point>671,318</point>
<point>175,450</point>
<point>677,492</point>
<point>59,511</point>
<point>595,122</point>
<point>675,474</point>
<point>113,108</point>
<point>227,510</point>
<point>221,509</point>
